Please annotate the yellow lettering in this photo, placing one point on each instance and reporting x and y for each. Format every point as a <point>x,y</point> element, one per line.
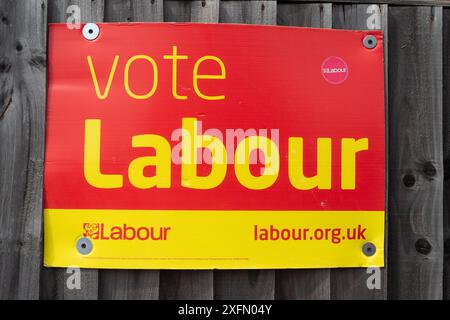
<point>92,172</point>
<point>349,149</point>
<point>127,82</point>
<point>242,162</point>
<point>174,57</point>
<point>105,93</point>
<point>197,76</point>
<point>161,161</point>
<point>191,142</point>
<point>322,179</point>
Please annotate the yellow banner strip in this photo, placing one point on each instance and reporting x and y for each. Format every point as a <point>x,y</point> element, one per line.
<point>183,239</point>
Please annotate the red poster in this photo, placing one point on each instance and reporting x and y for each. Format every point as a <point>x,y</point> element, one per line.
<point>214,146</point>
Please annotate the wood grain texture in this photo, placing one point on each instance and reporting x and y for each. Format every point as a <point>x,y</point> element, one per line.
<point>416,157</point>
<point>446,131</point>
<point>313,15</point>
<point>130,284</point>
<point>54,285</point>
<point>91,10</point>
<point>246,284</point>
<point>360,17</point>
<point>53,280</point>
<point>134,11</point>
<point>249,12</point>
<point>308,284</point>
<point>391,2</point>
<point>22,121</point>
<point>188,284</point>
<point>191,11</point>
<point>351,283</point>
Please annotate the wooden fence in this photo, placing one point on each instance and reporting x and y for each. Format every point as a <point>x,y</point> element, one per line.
<point>418,104</point>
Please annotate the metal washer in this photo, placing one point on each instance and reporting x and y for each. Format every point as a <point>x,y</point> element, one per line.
<point>84,246</point>
<point>370,41</point>
<point>369,249</point>
<point>91,31</point>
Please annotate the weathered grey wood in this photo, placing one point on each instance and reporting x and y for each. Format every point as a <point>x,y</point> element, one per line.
<point>188,284</point>
<point>191,11</point>
<point>130,284</point>
<point>53,283</point>
<point>177,11</point>
<point>360,17</point>
<point>246,284</point>
<point>91,10</point>
<point>250,12</point>
<point>391,2</point>
<point>351,283</point>
<point>314,15</point>
<point>308,283</point>
<point>22,120</point>
<point>416,157</point>
<point>446,130</point>
<point>134,10</point>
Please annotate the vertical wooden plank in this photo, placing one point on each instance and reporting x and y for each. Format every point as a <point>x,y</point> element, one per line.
<point>446,124</point>
<point>177,11</point>
<point>351,283</point>
<point>251,12</point>
<point>54,280</point>
<point>360,16</point>
<point>23,30</point>
<point>134,11</point>
<point>309,283</point>
<point>130,284</point>
<point>90,10</point>
<point>313,15</point>
<point>416,156</point>
<point>188,284</point>
<point>246,284</point>
<point>54,284</point>
<point>191,11</point>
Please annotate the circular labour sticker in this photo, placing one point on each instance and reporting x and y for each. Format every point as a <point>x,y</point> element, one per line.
<point>334,70</point>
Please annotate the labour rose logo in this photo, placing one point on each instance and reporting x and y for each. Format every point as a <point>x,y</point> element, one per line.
<point>90,229</point>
